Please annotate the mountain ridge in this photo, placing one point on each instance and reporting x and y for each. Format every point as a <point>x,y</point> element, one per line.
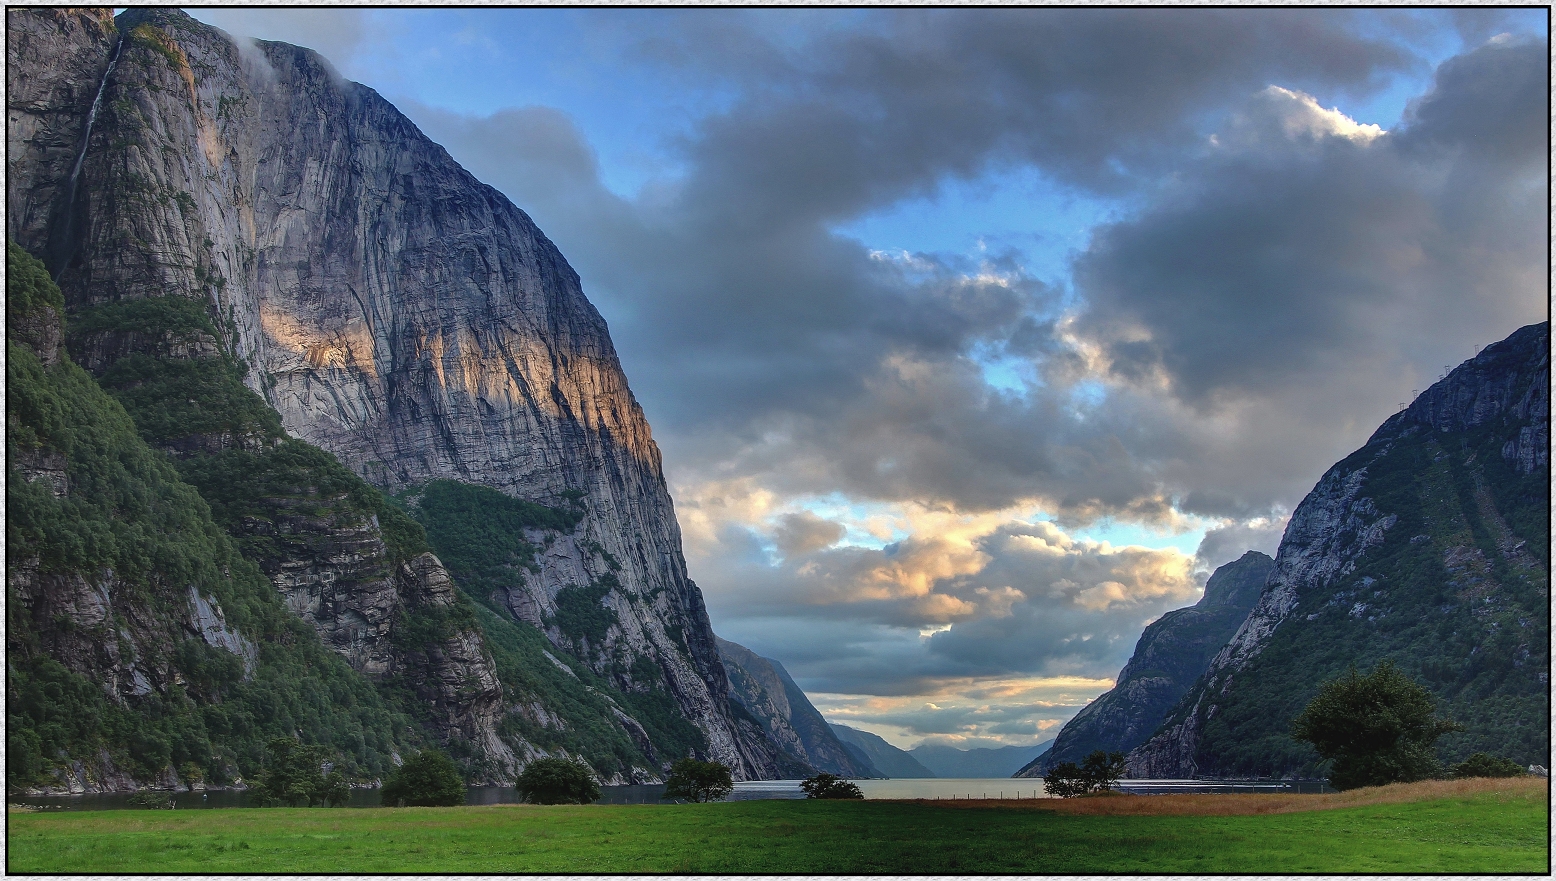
<point>1169,657</point>
<point>1428,546</point>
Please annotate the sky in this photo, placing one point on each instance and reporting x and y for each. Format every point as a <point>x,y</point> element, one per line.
<point>975,339</point>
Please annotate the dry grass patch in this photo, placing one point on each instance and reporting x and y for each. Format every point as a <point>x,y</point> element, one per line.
<point>1243,804</point>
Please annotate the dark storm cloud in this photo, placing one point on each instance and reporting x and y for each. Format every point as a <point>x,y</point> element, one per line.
<point>1279,258</point>
<point>852,119</point>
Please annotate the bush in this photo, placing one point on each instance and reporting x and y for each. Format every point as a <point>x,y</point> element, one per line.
<point>698,781</point>
<point>426,779</point>
<point>1097,772</point>
<point>295,775</point>
<point>558,782</point>
<point>829,786</point>
<point>1377,729</point>
<point>1487,765</point>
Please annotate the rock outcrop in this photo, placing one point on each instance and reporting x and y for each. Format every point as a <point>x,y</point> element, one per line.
<point>1428,546</point>
<point>391,308</point>
<point>766,691</point>
<point>1171,655</point>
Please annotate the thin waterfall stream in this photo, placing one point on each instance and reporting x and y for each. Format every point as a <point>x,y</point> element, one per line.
<point>86,140</point>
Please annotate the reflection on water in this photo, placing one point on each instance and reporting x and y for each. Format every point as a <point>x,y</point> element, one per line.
<point>929,788</point>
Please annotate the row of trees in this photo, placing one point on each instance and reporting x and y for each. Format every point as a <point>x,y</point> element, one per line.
<point>1375,729</point>
<point>299,774</point>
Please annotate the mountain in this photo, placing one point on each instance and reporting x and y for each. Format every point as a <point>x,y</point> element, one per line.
<point>142,649</point>
<point>765,691</point>
<point>870,748</point>
<point>1428,546</point>
<point>336,331</point>
<point>948,761</point>
<point>1171,655</point>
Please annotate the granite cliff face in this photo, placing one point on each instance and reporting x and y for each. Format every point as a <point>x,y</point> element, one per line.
<point>1171,655</point>
<point>1428,546</point>
<point>766,691</point>
<point>392,309</point>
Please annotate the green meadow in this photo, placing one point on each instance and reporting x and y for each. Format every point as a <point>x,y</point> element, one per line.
<point>1495,832</point>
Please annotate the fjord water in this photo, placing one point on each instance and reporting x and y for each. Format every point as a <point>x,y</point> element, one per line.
<point>899,788</point>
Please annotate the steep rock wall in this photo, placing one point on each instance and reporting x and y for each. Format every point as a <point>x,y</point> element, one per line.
<point>394,311</point>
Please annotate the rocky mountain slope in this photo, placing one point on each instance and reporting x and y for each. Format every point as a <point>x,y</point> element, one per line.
<point>142,648</point>
<point>872,748</point>
<point>1170,656</point>
<point>1428,546</point>
<point>394,312</point>
<point>764,689</point>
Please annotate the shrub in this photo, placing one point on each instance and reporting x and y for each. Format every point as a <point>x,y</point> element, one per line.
<point>1097,772</point>
<point>1487,765</point>
<point>553,781</point>
<point>1377,729</point>
<point>829,786</point>
<point>426,779</point>
<point>698,781</point>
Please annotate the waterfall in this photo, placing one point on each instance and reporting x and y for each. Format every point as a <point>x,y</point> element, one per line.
<point>91,117</point>
<point>75,170</point>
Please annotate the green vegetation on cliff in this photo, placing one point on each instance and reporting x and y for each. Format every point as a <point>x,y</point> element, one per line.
<point>480,535</point>
<point>128,524</point>
<point>1457,595</point>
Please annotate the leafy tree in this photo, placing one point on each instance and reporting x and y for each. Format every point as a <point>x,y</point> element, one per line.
<point>1377,729</point>
<point>1103,770</point>
<point>1097,772</point>
<point>426,779</point>
<point>1487,765</point>
<point>554,781</point>
<point>295,775</point>
<point>698,781</point>
<point>829,786</point>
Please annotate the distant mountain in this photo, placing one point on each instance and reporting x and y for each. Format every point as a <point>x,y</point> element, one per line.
<point>886,758</point>
<point>948,761</point>
<point>764,690</point>
<point>1171,655</point>
<point>1429,546</point>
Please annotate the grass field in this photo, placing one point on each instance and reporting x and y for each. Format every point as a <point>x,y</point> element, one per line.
<point>1467,826</point>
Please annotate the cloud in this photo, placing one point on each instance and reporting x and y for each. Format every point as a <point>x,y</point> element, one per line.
<point>956,596</point>
<point>337,33</point>
<point>1255,305</point>
<point>1308,252</point>
<point>803,533</point>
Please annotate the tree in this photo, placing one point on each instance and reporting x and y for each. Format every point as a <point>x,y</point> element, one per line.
<point>1487,765</point>
<point>552,781</point>
<point>829,786</point>
<point>296,775</point>
<point>428,778</point>
<point>1376,729</point>
<point>698,781</point>
<point>1102,770</point>
<point>1097,772</point>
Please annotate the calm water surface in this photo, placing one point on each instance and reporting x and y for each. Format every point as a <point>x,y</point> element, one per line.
<point>930,788</point>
